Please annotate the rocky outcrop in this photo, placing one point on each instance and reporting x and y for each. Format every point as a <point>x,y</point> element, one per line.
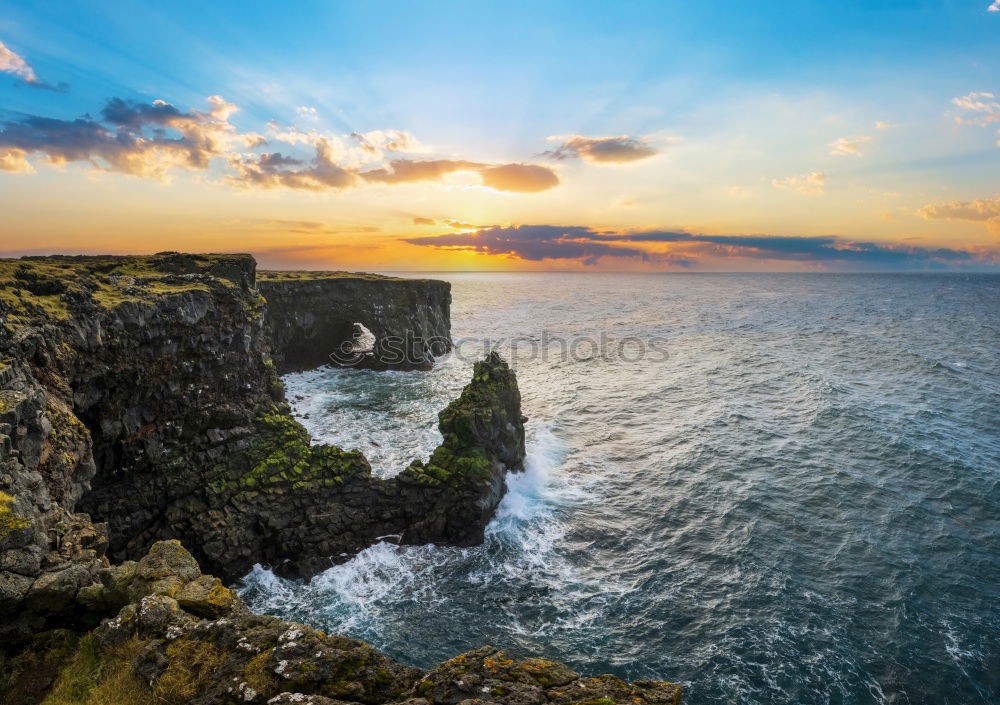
<point>140,392</point>
<point>112,368</point>
<point>300,508</point>
<point>139,403</point>
<point>312,319</point>
<point>181,637</point>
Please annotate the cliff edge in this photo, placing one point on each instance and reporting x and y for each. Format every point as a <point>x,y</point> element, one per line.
<point>140,402</point>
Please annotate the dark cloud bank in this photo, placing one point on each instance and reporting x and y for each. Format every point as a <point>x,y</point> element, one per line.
<point>588,245</point>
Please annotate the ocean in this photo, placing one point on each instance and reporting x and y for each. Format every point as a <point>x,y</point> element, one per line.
<point>771,488</point>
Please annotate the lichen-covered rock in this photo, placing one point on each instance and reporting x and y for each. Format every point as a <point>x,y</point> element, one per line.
<point>107,366</point>
<point>489,675</point>
<point>139,404</point>
<point>298,507</point>
<point>159,649</point>
<point>483,433</point>
<point>207,597</point>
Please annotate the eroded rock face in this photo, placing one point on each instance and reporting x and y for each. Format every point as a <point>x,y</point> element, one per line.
<point>313,316</point>
<point>139,393</point>
<point>301,508</point>
<point>110,367</point>
<point>160,648</point>
<point>139,403</point>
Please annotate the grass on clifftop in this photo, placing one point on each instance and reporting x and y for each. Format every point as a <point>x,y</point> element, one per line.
<point>45,287</point>
<point>295,275</point>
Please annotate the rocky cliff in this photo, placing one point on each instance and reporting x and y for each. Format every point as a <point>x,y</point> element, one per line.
<point>312,319</point>
<point>182,638</point>
<point>139,401</point>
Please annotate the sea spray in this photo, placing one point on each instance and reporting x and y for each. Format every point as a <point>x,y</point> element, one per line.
<point>391,416</point>
<point>374,593</point>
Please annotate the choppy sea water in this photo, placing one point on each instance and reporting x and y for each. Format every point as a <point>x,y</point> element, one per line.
<point>798,503</point>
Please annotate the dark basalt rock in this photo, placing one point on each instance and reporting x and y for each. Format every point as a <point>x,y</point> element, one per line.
<point>139,402</point>
<point>300,508</point>
<point>311,319</point>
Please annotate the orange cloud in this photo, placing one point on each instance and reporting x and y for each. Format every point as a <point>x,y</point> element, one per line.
<point>15,160</point>
<point>980,210</point>
<point>519,178</point>
<point>408,170</point>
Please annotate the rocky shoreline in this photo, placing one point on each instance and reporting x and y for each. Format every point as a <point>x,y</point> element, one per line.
<point>144,435</point>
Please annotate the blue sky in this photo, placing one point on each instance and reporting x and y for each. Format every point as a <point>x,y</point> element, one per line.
<point>741,103</point>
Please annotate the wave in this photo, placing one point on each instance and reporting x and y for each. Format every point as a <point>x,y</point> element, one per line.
<point>371,594</point>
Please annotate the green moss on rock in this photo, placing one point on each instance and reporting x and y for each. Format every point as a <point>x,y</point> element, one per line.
<point>487,415</point>
<point>10,521</point>
<point>284,455</point>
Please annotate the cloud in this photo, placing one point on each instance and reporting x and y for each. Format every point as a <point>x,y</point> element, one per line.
<point>976,101</point>
<point>410,170</point>
<point>812,183</point>
<point>15,161</point>
<point>517,178</point>
<point>589,245</point>
<point>995,7</point>
<point>306,227</point>
<point>270,170</point>
<point>883,125</point>
<point>121,142</point>
<point>983,107</point>
<point>601,150</point>
<point>307,113</point>
<point>982,210</point>
<point>14,64</point>
<point>378,141</point>
<point>979,209</point>
<point>424,221</point>
<point>532,242</point>
<point>462,225</point>
<point>150,139</point>
<point>849,145</point>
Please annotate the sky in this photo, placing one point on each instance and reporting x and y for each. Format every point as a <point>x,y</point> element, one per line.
<point>437,135</point>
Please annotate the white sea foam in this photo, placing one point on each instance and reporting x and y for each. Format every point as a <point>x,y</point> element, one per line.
<point>389,416</point>
<point>792,509</point>
<point>362,596</point>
